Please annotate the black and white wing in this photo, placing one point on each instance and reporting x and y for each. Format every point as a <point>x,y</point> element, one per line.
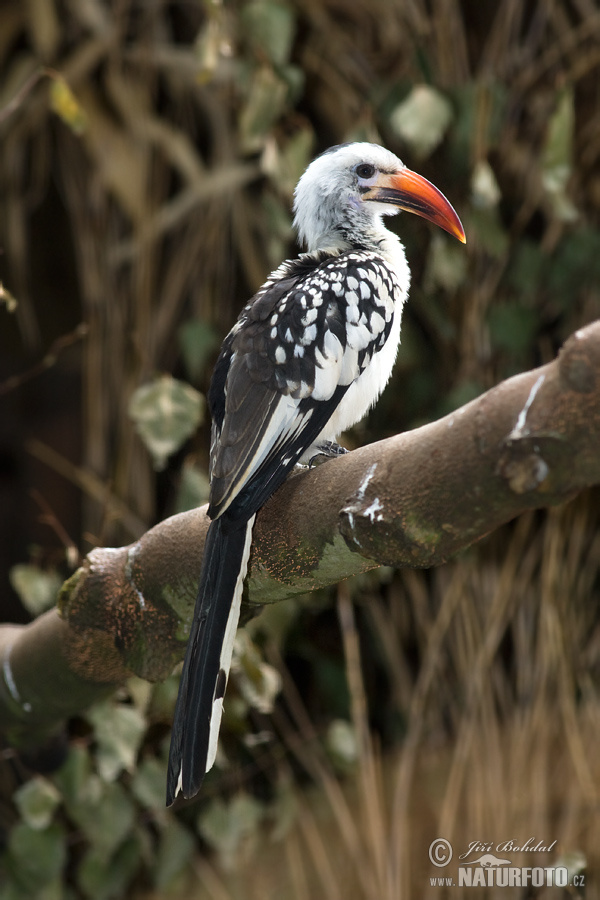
<point>286,366</point>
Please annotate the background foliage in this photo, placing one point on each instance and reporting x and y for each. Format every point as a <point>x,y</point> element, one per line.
<point>149,154</point>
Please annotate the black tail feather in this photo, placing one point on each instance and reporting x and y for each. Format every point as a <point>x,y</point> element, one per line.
<point>208,655</point>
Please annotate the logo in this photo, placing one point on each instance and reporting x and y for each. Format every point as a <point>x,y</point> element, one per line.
<point>440,852</point>
<point>487,869</point>
<point>488,860</point>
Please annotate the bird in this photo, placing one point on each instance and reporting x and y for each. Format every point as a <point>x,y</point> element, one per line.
<point>307,358</point>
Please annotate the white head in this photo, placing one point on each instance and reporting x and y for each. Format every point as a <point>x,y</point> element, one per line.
<point>343,194</point>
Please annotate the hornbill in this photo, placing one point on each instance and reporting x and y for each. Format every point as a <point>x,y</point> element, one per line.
<point>307,358</point>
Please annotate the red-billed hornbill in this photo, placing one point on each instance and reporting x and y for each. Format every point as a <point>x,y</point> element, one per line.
<point>307,358</point>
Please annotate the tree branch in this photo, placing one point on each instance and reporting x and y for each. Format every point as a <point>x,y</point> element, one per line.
<point>411,500</point>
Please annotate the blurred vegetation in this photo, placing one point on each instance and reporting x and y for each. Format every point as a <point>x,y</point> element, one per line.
<point>149,154</point>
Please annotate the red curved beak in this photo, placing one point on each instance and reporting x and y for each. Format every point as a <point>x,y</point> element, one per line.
<point>413,193</point>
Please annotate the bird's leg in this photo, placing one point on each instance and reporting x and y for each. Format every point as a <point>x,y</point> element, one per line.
<point>326,450</point>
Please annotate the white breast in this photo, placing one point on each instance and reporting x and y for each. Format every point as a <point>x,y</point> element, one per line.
<point>365,391</point>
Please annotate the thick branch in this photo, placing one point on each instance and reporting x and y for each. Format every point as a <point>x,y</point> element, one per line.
<point>412,500</point>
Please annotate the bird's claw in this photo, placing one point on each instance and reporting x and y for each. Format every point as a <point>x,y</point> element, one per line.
<point>326,450</point>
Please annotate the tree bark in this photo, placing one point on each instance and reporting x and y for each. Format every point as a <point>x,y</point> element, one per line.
<point>411,500</point>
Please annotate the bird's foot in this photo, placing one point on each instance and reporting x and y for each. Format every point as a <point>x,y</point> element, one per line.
<point>326,450</point>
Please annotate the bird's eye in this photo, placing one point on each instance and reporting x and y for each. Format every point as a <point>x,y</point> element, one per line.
<point>365,170</point>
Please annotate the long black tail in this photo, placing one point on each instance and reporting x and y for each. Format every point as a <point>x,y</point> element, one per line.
<point>208,657</point>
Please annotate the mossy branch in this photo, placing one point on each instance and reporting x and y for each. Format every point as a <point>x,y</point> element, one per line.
<point>411,500</point>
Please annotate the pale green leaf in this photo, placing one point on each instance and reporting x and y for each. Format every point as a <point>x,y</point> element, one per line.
<point>166,412</point>
<point>342,745</point>
<point>37,589</point>
<point>107,819</point>
<point>258,682</point>
<point>193,490</point>
<point>164,695</point>
<point>36,857</point>
<point>197,340</point>
<point>212,43</point>
<point>574,861</point>
<point>74,776</point>
<point>285,164</point>
<point>275,620</point>
<point>264,104</point>
<point>270,25</point>
<point>101,879</point>
<point>140,692</point>
<point>446,264</point>
<point>485,191</point>
<point>231,828</point>
<point>148,784</point>
<point>36,801</point>
<point>557,156</point>
<point>558,146</point>
<point>422,119</point>
<point>175,849</point>
<point>485,228</point>
<point>118,731</point>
